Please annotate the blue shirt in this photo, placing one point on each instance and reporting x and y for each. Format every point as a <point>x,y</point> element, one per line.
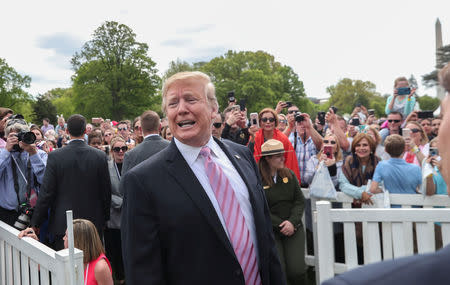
<point>303,151</point>
<point>8,196</point>
<point>398,176</point>
<point>439,182</point>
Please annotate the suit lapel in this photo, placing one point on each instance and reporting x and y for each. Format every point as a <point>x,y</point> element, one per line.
<point>181,172</point>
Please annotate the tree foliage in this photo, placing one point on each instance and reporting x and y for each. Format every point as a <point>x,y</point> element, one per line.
<point>255,77</point>
<point>347,93</point>
<point>428,103</point>
<point>62,99</point>
<point>12,86</point>
<point>43,108</point>
<point>114,76</point>
<point>443,57</point>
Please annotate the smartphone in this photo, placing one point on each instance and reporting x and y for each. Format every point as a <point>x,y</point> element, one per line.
<point>242,104</point>
<point>328,150</point>
<point>96,120</point>
<point>434,151</point>
<point>355,122</point>
<point>403,91</point>
<point>235,108</point>
<point>321,118</point>
<point>371,112</point>
<point>288,104</point>
<point>425,114</point>
<point>231,96</point>
<point>406,133</point>
<point>358,104</point>
<point>254,119</point>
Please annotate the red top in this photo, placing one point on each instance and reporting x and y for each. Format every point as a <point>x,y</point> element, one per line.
<point>89,271</point>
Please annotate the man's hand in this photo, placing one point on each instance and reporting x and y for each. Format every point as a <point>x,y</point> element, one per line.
<point>287,228</point>
<point>370,120</point>
<point>330,117</point>
<point>280,106</point>
<point>30,148</point>
<point>413,116</point>
<point>11,141</point>
<point>365,198</point>
<point>413,91</point>
<point>291,121</point>
<point>234,117</point>
<point>253,130</point>
<point>28,232</point>
<point>307,121</point>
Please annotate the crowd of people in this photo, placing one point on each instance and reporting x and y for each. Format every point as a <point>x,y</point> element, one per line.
<point>146,193</point>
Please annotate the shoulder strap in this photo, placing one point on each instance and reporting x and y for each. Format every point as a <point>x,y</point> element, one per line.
<point>16,183</point>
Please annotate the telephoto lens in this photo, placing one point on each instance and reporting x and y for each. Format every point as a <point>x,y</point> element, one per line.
<point>27,137</point>
<point>24,219</point>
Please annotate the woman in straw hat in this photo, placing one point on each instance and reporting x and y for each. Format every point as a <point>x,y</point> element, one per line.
<point>286,203</point>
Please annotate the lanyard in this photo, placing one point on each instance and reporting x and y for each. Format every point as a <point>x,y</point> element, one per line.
<point>20,170</point>
<point>117,171</point>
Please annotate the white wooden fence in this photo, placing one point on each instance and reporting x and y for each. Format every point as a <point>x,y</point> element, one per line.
<point>29,262</point>
<point>396,239</point>
<point>404,200</point>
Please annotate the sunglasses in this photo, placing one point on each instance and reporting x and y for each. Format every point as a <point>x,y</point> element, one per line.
<point>118,149</point>
<point>268,119</point>
<point>283,121</point>
<point>292,111</point>
<point>414,131</point>
<point>217,125</point>
<point>136,128</point>
<point>327,141</point>
<point>395,121</point>
<point>122,129</point>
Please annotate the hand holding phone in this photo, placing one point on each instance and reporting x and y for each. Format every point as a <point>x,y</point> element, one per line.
<point>328,150</point>
<point>254,119</point>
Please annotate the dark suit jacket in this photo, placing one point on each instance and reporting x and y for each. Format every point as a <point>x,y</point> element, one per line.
<point>427,269</point>
<point>171,233</point>
<point>147,148</point>
<point>76,178</point>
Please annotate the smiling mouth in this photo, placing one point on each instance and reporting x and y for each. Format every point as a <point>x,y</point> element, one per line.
<point>185,124</point>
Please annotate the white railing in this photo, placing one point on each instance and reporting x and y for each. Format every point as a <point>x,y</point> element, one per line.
<point>396,239</point>
<point>28,262</point>
<point>404,200</point>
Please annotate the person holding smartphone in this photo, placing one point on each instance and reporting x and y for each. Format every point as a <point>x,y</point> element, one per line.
<point>403,99</point>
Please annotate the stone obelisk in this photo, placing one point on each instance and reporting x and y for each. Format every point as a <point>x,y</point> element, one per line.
<point>440,92</point>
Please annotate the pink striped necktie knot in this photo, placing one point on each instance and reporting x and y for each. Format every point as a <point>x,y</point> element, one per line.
<point>237,229</point>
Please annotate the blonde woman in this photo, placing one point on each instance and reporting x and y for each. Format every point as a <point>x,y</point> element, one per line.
<point>417,147</point>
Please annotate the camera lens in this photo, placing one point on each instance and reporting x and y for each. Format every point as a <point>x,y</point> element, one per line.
<point>29,138</point>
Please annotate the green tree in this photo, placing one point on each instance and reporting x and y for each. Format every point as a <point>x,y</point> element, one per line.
<point>428,103</point>
<point>347,93</point>
<point>114,76</point>
<point>63,100</point>
<point>255,77</point>
<point>443,56</point>
<point>12,86</point>
<point>43,108</point>
<point>177,66</point>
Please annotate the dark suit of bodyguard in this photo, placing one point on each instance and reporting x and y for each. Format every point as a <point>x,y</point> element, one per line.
<point>76,178</point>
<point>172,233</point>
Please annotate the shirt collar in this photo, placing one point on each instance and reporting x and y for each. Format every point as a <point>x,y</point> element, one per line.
<point>190,153</point>
<point>72,140</point>
<point>151,135</point>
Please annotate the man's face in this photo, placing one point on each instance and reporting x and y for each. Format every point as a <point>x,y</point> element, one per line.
<point>44,122</point>
<point>435,125</point>
<point>394,122</point>
<point>217,127</point>
<point>301,129</point>
<point>88,129</point>
<point>123,130</point>
<point>189,113</point>
<point>426,125</point>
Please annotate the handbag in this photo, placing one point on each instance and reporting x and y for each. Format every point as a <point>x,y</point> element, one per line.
<point>322,186</point>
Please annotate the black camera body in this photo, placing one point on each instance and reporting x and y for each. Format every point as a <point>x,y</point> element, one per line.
<point>26,137</point>
<point>321,118</point>
<point>299,117</point>
<point>231,97</point>
<point>24,219</point>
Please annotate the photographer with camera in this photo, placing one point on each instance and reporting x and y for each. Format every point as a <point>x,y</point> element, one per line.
<point>235,128</point>
<point>22,168</point>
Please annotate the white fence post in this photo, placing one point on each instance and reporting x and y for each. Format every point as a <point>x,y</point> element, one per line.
<point>69,219</point>
<point>325,241</point>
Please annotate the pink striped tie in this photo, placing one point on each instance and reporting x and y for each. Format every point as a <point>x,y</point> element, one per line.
<point>234,219</point>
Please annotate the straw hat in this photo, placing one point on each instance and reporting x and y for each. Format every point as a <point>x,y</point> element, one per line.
<point>272,147</point>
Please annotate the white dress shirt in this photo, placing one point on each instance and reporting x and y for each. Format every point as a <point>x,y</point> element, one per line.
<point>196,163</point>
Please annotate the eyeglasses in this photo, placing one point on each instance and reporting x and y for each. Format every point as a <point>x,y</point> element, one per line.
<point>268,119</point>
<point>122,129</point>
<point>136,128</point>
<point>327,141</point>
<point>395,121</point>
<point>217,125</point>
<point>283,121</point>
<point>414,131</point>
<point>118,149</point>
<point>292,111</point>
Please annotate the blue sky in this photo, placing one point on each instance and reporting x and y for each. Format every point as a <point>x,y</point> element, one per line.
<point>323,41</point>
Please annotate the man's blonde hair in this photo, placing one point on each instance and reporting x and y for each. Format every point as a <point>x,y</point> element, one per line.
<point>210,91</point>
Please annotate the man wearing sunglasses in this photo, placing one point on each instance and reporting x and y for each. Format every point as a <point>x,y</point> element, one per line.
<point>218,126</point>
<point>77,179</point>
<point>394,126</point>
<point>122,128</point>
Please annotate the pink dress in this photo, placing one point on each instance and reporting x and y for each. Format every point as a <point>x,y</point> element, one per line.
<point>89,271</point>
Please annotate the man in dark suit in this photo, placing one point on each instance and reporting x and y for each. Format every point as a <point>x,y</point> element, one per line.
<point>176,228</point>
<point>76,178</point>
<point>419,269</point>
<point>153,142</point>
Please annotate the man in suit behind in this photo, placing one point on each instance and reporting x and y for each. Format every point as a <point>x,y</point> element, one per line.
<point>153,142</point>
<point>76,178</point>
<point>419,269</point>
<point>177,226</point>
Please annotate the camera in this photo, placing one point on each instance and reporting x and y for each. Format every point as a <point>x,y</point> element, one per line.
<point>25,137</point>
<point>24,219</point>
<point>403,91</point>
<point>299,117</point>
<point>231,96</point>
<point>321,117</point>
